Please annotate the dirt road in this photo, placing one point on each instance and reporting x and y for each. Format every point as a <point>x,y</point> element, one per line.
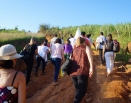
<point>101,89</point>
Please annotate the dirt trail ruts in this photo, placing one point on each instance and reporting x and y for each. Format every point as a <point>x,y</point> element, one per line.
<point>101,89</point>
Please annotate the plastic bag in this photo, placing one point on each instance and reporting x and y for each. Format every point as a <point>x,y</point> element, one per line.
<point>61,73</point>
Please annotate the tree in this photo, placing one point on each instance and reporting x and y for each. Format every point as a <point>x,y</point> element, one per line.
<point>43,28</point>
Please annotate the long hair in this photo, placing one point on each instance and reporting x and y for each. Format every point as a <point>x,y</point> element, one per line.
<point>58,40</point>
<point>6,64</point>
<point>45,42</point>
<point>32,40</point>
<point>110,37</point>
<point>80,41</point>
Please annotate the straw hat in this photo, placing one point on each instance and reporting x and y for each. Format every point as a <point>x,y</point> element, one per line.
<point>8,52</point>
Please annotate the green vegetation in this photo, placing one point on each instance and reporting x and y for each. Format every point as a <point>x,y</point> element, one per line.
<point>15,30</point>
<point>121,32</point>
<point>47,30</point>
<point>122,57</point>
<point>19,39</point>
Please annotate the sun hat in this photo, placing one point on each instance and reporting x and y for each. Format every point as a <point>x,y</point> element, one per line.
<point>8,52</point>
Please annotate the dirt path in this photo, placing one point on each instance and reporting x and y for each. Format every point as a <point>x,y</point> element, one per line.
<point>101,89</point>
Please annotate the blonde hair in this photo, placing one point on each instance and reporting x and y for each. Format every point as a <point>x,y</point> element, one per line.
<point>32,40</point>
<point>80,41</point>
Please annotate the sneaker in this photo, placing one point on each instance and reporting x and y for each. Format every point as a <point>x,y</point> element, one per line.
<point>56,83</point>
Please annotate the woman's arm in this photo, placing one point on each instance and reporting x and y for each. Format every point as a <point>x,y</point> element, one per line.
<point>21,88</point>
<point>104,48</point>
<point>90,58</point>
<point>36,52</point>
<point>62,54</point>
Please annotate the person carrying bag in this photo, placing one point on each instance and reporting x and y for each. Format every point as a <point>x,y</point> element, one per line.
<point>81,69</point>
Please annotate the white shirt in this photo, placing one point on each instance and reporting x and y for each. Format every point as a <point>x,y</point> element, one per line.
<point>57,50</point>
<point>100,39</point>
<point>72,42</point>
<point>42,51</point>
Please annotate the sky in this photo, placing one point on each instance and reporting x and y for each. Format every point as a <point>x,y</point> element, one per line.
<point>30,14</point>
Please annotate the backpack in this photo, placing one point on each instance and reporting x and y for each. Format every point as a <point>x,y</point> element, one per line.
<point>113,46</point>
<point>26,52</point>
<point>116,46</point>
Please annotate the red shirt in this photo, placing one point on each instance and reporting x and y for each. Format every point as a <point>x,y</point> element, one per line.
<point>80,63</point>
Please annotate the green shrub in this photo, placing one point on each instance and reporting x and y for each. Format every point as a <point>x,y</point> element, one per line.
<point>19,40</point>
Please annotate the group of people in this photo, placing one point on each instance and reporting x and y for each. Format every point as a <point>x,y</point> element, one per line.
<point>78,48</point>
<point>106,53</point>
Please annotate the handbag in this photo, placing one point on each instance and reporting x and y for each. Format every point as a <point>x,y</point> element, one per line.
<point>66,66</point>
<point>22,52</point>
<point>25,52</point>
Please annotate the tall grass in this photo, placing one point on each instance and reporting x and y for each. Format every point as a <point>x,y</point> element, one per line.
<point>120,31</point>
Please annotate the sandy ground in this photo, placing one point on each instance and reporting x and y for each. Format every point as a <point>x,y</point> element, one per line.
<point>101,89</point>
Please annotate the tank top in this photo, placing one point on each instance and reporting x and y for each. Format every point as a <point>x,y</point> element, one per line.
<point>109,46</point>
<point>80,62</point>
<point>9,94</point>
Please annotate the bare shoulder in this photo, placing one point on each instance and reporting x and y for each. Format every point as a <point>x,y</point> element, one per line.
<point>20,75</point>
<point>20,78</point>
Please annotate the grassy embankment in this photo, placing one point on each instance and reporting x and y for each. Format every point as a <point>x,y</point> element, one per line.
<point>19,40</point>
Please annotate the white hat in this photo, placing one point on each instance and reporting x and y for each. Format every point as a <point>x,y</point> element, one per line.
<point>8,52</point>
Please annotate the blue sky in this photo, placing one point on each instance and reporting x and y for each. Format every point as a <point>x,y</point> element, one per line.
<point>29,14</point>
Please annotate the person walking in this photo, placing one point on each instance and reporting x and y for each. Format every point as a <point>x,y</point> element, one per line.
<point>90,39</point>
<point>70,36</point>
<point>87,42</point>
<point>108,54</point>
<point>31,50</point>
<point>100,41</point>
<point>67,49</point>
<point>82,68</point>
<point>12,82</point>
<point>57,55</point>
<point>42,57</point>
